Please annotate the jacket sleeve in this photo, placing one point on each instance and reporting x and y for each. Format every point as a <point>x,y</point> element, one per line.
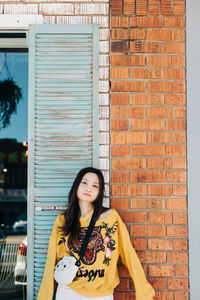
<point>143,289</point>
<point>46,290</point>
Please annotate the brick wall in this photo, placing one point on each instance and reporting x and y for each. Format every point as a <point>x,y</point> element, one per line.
<point>148,139</point>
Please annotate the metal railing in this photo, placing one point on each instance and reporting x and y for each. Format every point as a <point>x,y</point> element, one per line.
<point>8,258</point>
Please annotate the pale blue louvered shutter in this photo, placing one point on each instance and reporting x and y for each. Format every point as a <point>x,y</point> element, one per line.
<point>63,127</point>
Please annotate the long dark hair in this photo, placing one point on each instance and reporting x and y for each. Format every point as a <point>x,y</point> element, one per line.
<point>72,213</point>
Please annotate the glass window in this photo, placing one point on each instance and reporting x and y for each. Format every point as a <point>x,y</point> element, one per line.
<point>13,173</point>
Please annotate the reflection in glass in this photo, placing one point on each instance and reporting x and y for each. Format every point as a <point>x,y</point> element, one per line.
<point>13,181</point>
<point>10,94</point>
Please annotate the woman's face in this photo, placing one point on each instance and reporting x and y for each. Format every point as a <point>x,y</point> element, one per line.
<point>88,189</point>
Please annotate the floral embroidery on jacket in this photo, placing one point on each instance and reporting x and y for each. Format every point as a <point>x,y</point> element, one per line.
<point>110,243</point>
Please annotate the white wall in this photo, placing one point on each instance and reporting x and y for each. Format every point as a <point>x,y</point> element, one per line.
<point>193,140</point>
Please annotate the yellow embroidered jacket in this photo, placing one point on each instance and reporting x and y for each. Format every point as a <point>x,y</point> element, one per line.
<point>97,275</point>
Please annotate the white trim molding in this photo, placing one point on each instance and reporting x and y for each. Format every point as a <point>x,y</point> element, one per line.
<point>19,21</point>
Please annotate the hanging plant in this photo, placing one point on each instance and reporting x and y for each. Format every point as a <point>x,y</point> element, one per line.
<point>10,94</point>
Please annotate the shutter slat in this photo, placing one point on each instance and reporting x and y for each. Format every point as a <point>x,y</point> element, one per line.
<point>62,67</point>
<point>61,57</point>
<point>64,78</point>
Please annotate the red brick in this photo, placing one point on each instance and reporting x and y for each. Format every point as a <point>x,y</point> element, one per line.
<point>120,124</point>
<point>127,60</point>
<point>179,163</point>
<point>148,150</point>
<point>119,21</point>
<point>147,203</point>
<point>179,112</point>
<point>176,176</point>
<point>133,216</point>
<point>159,138</point>
<point>139,244</point>
<point>177,257</point>
<point>159,163</point>
<point>180,244</point>
<point>119,47</point>
<point>146,47</point>
<point>174,22</point>
<point>165,61</point>
<point>178,35</point>
<point>174,47</point>
<point>123,285</point>
<point>175,74</point>
<point>159,61</point>
<point>179,7</point>
<point>120,177</point>
<point>147,230</point>
<point>160,190</point>
<point>119,99</point>
<point>128,296</point>
<point>175,150</point>
<point>146,124</point>
<point>154,7</point>
<point>141,7</point>
<point>119,73</point>
<point>178,60</point>
<point>166,7</point>
<point>128,138</point>
<point>129,7</point>
<point>160,86</point>
<point>119,203</point>
<point>158,283</point>
<point>178,99</point>
<point>152,257</point>
<point>164,295</point>
<point>116,7</point>
<point>118,296</point>
<point>128,190</point>
<point>176,204</point>
<point>127,112</point>
<point>119,151</point>
<point>159,112</point>
<point>181,271</point>
<point>128,163</point>
<point>181,296</point>
<point>127,34</point>
<point>160,244</point>
<point>177,283</point>
<point>128,86</point>
<point>160,217</point>
<point>158,34</point>
<point>161,271</point>
<point>177,231</point>
<point>146,99</point>
<point>147,176</point>
<point>180,190</point>
<point>142,73</point>
<point>147,22</point>
<point>178,87</point>
<point>123,271</point>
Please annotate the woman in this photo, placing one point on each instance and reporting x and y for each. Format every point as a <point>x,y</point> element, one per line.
<point>97,276</point>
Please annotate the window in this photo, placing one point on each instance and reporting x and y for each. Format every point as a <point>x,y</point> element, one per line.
<point>13,165</point>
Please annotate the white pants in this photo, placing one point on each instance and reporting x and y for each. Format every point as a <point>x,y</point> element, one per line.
<point>65,293</point>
